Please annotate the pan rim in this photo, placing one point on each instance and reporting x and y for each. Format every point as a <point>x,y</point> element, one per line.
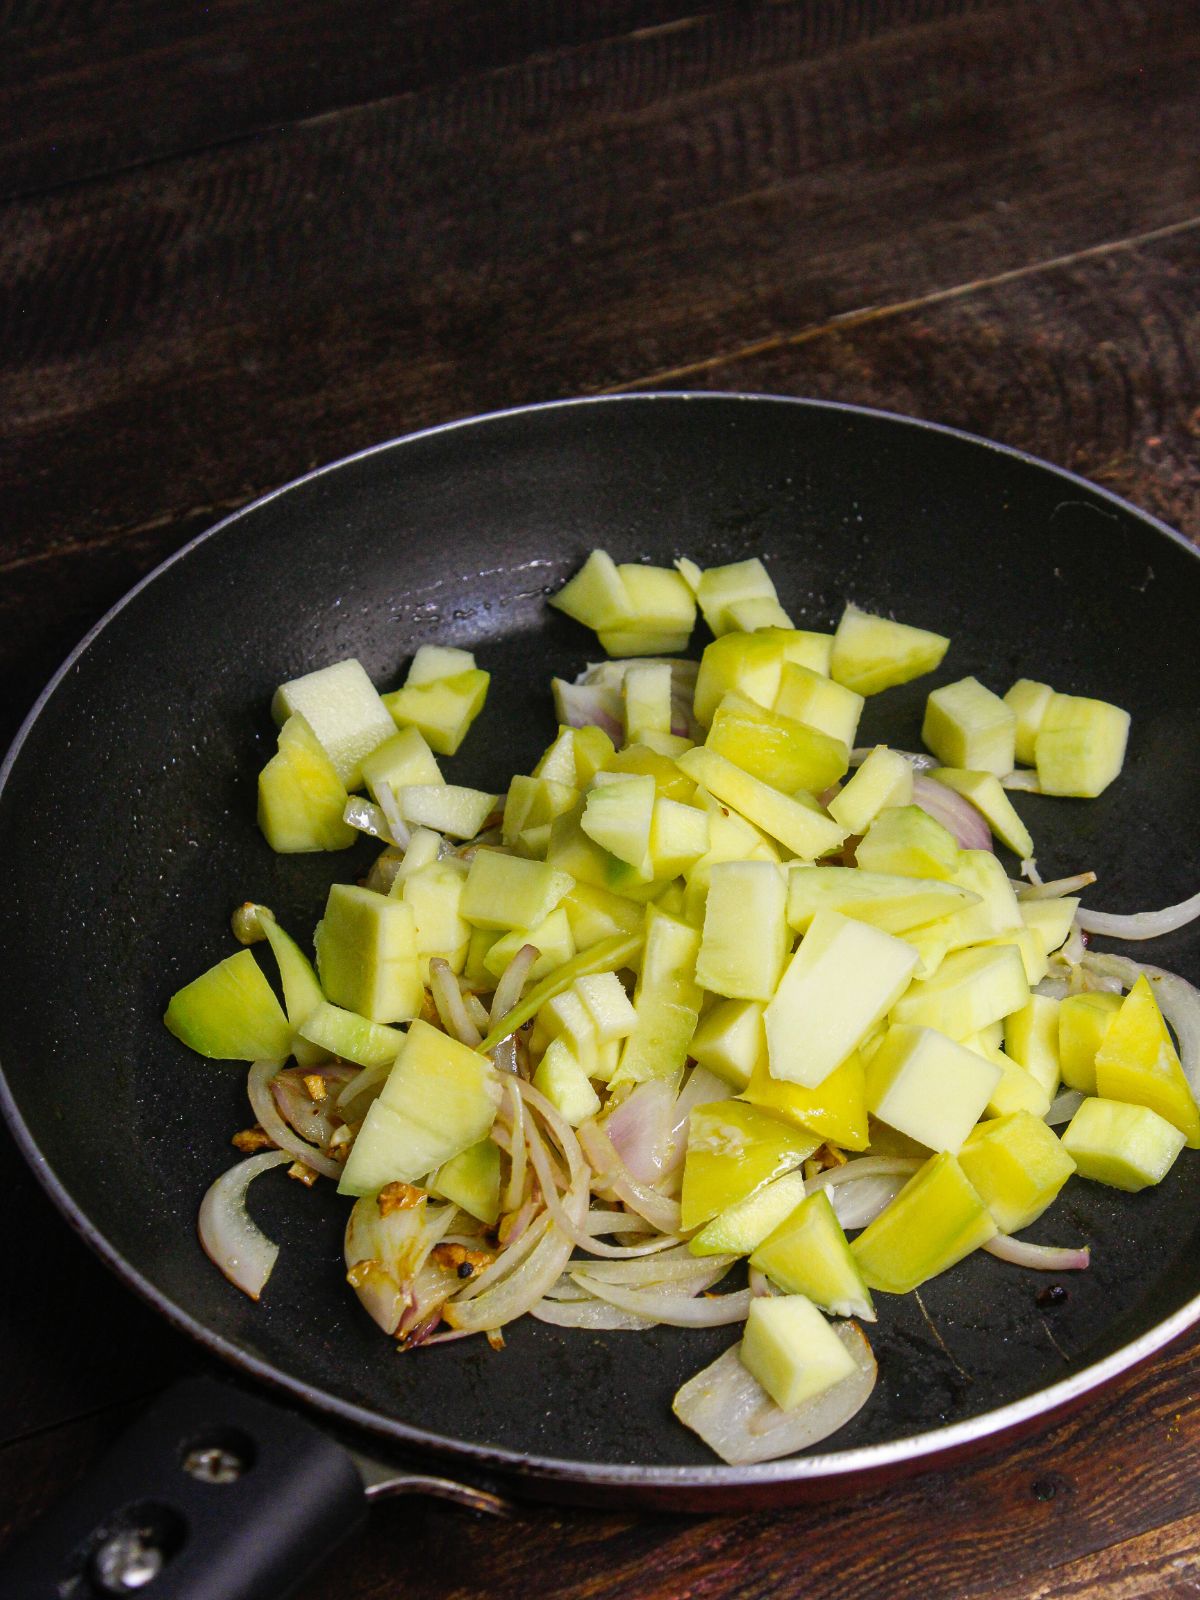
<point>917,1449</point>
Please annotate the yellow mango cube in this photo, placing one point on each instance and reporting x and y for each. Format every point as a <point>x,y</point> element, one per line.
<point>884,779</point>
<point>936,1219</point>
<point>1126,1146</point>
<point>925,1085</point>
<point>1018,1165</point>
<point>1137,1062</point>
<point>968,726</point>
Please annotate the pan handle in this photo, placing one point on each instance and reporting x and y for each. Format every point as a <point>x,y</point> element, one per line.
<point>213,1494</point>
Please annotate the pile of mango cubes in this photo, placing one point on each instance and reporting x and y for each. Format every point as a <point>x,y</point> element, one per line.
<point>718,887</point>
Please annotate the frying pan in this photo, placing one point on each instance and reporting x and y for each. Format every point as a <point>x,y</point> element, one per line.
<point>127,832</point>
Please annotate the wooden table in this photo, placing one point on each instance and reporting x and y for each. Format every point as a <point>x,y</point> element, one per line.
<point>242,239</point>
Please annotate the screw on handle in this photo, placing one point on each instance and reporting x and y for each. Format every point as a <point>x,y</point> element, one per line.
<point>214,1494</point>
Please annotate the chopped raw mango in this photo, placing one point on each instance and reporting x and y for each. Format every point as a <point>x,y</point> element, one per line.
<point>1126,1146</point>
<point>873,653</point>
<point>967,726</point>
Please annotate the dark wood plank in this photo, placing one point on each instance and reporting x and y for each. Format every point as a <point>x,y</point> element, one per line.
<point>1091,364</point>
<point>1119,1478</point>
<point>183,336</point>
<point>228,70</point>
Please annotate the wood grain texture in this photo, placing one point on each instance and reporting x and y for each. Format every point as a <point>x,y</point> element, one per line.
<point>249,239</point>
<point>190,334</point>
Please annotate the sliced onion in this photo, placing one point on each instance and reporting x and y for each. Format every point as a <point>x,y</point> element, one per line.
<point>1063,1107</point>
<point>367,1078</point>
<point>660,1212</point>
<point>1141,924</point>
<point>448,1001</point>
<point>1178,1000</point>
<point>1056,889</point>
<point>856,1205</point>
<point>1025,781</point>
<point>514,1192</point>
<point>677,1310</point>
<point>1041,1257</point>
<point>587,1313</point>
<point>954,811</point>
<point>589,705</point>
<point>231,1239</point>
<point>917,759</point>
<point>640,1130</point>
<point>368,818</point>
<point>399,829</point>
<point>384,870</point>
<point>512,981</point>
<point>702,1088</point>
<point>258,1087</point>
<point>728,1407</point>
<point>522,1289</point>
<point>678,1266</point>
<point>1052,988</point>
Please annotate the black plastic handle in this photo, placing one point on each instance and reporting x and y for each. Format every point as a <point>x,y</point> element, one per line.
<point>213,1494</point>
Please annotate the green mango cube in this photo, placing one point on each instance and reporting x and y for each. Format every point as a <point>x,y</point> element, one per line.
<point>301,798</point>
<point>1127,1146</point>
<point>596,595</point>
<point>439,1099</point>
<point>471,1180</point>
<point>659,601</point>
<point>733,1149</point>
<point>447,808</point>
<point>817,701</point>
<point>969,990</point>
<point>776,748</point>
<point>725,593</point>
<point>366,946</point>
<point>551,938</point>
<point>1050,920</point>
<point>967,726</point>
<point>434,661</point>
<point>884,779</point>
<point>402,759</point>
<point>441,711</point>
<point>729,1039</point>
<point>1083,1021</point>
<point>889,901</point>
<point>1018,1165</point>
<point>872,653</point>
<point>746,937</point>
<point>344,710</point>
<point>504,892</point>
<point>1137,1062</point>
<point>836,1110</point>
<point>596,914</point>
<point>1031,1040</point>
<point>230,1013</point>
<point>751,664</point>
<point>646,691</point>
<point>807,833</point>
<point>808,1254</point>
<point>984,792</point>
<point>617,815</point>
<point>679,836</point>
<point>337,1032</point>
<point>936,1219</point>
<point>1027,700</point>
<point>1080,745</point>
<point>929,1087</point>
<point>843,979</point>
<point>742,1227</point>
<point>909,843</point>
<point>792,1351</point>
<point>564,1080</point>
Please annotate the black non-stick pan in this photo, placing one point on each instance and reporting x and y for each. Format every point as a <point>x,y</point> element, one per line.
<point>127,833</point>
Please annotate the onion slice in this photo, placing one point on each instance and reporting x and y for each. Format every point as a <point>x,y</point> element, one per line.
<point>1041,1257</point>
<point>954,811</point>
<point>731,1411</point>
<point>677,1310</point>
<point>594,1314</point>
<point>262,1102</point>
<point>231,1240</point>
<point>1063,1108</point>
<point>448,999</point>
<point>1140,924</point>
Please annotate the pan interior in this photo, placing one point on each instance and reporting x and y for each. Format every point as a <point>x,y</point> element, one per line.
<point>127,833</point>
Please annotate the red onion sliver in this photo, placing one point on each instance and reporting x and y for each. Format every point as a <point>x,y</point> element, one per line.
<point>1041,1257</point>
<point>262,1102</point>
<point>640,1130</point>
<point>953,811</point>
<point>231,1240</point>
